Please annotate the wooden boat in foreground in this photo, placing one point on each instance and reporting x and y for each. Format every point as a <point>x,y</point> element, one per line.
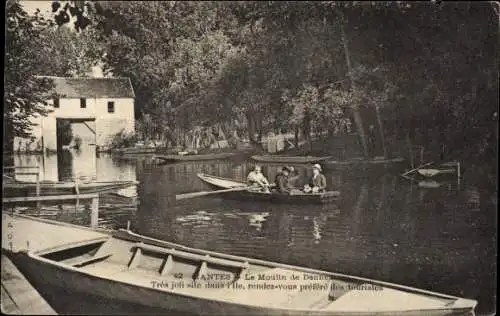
<point>180,158</point>
<point>15,188</point>
<point>289,159</point>
<point>298,197</point>
<point>124,266</point>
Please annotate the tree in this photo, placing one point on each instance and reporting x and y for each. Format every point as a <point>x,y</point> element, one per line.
<point>25,95</point>
<point>405,67</point>
<point>68,53</point>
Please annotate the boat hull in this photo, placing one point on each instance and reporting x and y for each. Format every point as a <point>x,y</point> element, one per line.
<point>181,158</point>
<point>49,276</point>
<point>289,159</point>
<point>134,151</point>
<point>274,197</point>
<point>29,189</point>
<point>362,162</point>
<point>120,266</point>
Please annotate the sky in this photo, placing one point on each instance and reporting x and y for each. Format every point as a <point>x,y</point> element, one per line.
<point>44,6</point>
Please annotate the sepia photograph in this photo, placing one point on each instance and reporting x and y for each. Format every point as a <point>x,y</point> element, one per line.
<point>244,158</point>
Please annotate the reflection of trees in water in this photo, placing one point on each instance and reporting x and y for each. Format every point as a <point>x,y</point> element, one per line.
<point>359,206</point>
<point>384,197</point>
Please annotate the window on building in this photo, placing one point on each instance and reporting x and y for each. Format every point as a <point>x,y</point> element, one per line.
<point>111,107</point>
<point>56,103</point>
<point>83,103</point>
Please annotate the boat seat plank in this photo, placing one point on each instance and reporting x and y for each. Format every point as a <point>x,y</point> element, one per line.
<point>268,297</point>
<point>192,256</point>
<point>81,261</point>
<point>339,288</point>
<point>104,269</point>
<point>167,266</point>
<point>134,262</point>
<point>311,298</point>
<point>382,300</point>
<point>202,271</point>
<point>106,247</point>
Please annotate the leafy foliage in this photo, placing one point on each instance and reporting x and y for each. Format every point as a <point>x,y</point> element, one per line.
<point>24,94</point>
<point>426,70</point>
<point>123,139</point>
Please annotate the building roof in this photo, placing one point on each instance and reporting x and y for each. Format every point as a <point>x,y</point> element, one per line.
<point>93,87</point>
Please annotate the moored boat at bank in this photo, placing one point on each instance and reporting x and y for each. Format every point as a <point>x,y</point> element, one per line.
<point>134,150</point>
<point>297,196</point>
<point>362,162</point>
<point>16,188</point>
<point>289,159</point>
<point>128,267</point>
<point>180,158</point>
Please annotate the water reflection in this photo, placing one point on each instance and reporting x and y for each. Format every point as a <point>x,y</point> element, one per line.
<point>83,163</point>
<point>384,227</point>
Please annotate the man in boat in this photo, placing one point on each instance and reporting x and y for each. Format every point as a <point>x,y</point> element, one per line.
<point>318,181</point>
<point>282,181</point>
<point>293,176</point>
<point>257,180</point>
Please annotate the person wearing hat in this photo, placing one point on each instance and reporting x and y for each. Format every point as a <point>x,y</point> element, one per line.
<point>318,181</point>
<point>257,180</point>
<point>282,181</point>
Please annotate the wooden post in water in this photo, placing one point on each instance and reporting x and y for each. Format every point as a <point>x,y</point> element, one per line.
<point>77,189</point>
<point>409,144</point>
<point>38,191</point>
<point>94,212</point>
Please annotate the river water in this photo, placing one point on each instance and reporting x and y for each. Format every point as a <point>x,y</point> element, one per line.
<point>384,227</point>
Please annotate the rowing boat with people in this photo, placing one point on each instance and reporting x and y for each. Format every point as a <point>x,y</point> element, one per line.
<point>123,266</point>
<point>288,159</point>
<point>297,196</point>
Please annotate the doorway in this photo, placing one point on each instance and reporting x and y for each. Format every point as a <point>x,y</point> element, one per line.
<point>76,155</point>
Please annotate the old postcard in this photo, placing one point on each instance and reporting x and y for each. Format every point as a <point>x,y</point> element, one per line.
<point>250,158</point>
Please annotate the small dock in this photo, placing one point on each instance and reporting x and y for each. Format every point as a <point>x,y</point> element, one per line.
<point>18,296</point>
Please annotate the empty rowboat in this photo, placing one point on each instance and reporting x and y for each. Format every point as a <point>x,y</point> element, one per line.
<point>356,162</point>
<point>134,150</point>
<point>17,188</point>
<point>289,159</point>
<point>180,158</point>
<point>298,197</point>
<point>126,267</point>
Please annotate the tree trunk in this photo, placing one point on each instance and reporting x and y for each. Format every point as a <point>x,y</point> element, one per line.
<point>381,129</point>
<point>296,137</point>
<point>251,132</point>
<point>358,121</point>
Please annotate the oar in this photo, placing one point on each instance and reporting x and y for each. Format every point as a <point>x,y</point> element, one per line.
<point>204,193</point>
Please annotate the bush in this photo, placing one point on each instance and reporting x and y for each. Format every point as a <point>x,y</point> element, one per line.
<point>123,139</point>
